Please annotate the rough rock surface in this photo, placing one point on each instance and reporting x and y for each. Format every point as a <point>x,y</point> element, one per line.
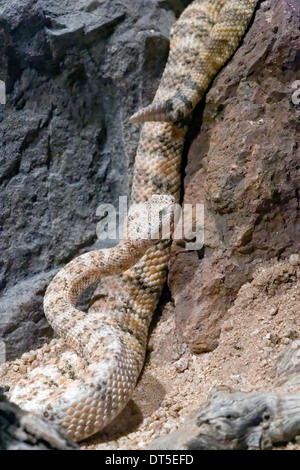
<point>74,72</point>
<point>244,167</point>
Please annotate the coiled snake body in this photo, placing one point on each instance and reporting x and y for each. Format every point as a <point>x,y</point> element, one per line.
<point>106,350</point>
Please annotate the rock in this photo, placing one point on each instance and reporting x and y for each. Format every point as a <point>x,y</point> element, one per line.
<point>182,364</point>
<point>74,74</point>
<point>244,167</point>
<point>274,311</point>
<point>22,320</point>
<point>295,259</point>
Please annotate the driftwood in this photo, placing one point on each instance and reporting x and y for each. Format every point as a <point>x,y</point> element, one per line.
<point>235,420</point>
<point>249,420</point>
<point>20,430</point>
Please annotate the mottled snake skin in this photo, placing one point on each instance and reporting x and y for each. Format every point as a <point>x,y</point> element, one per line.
<point>83,381</point>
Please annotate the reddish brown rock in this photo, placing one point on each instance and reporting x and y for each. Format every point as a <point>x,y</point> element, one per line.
<point>245,167</point>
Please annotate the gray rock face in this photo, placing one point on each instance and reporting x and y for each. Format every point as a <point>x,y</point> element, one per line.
<point>74,72</point>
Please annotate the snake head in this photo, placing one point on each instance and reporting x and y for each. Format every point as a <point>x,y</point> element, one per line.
<point>153,219</point>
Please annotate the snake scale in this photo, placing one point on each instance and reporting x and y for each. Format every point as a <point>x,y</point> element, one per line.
<point>83,380</point>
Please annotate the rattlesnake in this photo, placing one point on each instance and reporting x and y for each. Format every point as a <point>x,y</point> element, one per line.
<point>83,381</point>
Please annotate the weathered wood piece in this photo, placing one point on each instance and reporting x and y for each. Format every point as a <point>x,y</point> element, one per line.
<point>20,430</point>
